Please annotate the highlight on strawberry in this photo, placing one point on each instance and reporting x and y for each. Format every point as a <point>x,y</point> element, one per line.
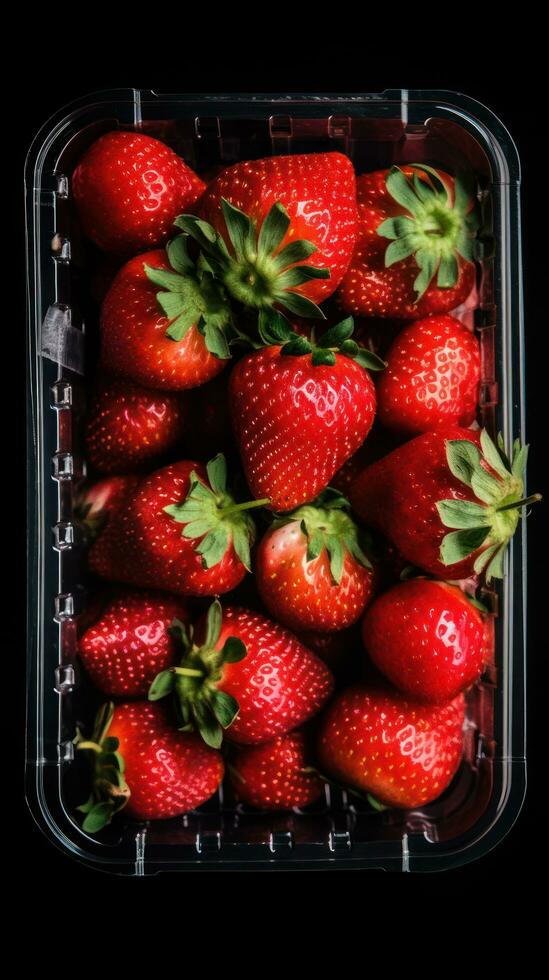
<point>260,235</point>
<point>180,530</point>
<point>300,408</point>
<point>450,478</point>
<point>142,764</point>
<point>243,676</point>
<point>416,245</point>
<point>311,570</point>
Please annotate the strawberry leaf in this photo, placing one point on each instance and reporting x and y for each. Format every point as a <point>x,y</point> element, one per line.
<point>217,473</point>
<point>162,685</point>
<point>273,229</point>
<point>462,513</point>
<point>460,544</point>
<point>234,650</point>
<point>225,708</point>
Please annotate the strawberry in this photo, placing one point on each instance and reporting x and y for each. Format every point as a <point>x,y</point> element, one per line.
<point>128,425</point>
<point>130,643</point>
<point>169,339</point>
<point>299,411</point>
<point>141,762</point>
<point>129,188</point>
<point>431,221</point>
<point>401,752</point>
<point>97,503</point>
<point>427,638</point>
<point>311,571</point>
<point>180,530</point>
<point>450,478</point>
<point>245,674</point>
<point>260,218</point>
<point>432,376</point>
<point>275,776</point>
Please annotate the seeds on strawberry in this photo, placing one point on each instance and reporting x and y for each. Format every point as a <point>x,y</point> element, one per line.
<point>275,776</point>
<point>128,425</point>
<point>300,410</point>
<point>450,478</point>
<point>279,231</point>
<point>130,643</point>
<point>161,325</point>
<point>244,674</point>
<point>129,188</point>
<point>311,571</point>
<point>401,752</point>
<point>414,253</point>
<point>143,764</point>
<point>427,638</point>
<point>432,376</point>
<point>180,530</point>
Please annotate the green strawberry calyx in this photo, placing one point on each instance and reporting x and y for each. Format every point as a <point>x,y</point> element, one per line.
<point>329,529</point>
<point>211,514</point>
<point>491,521</point>
<point>110,792</point>
<point>275,329</point>
<point>191,296</point>
<point>194,683</point>
<point>253,267</point>
<point>439,227</point>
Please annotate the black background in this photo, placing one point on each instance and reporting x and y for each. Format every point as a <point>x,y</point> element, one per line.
<point>61,73</point>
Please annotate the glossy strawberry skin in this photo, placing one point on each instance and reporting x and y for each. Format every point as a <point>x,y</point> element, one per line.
<point>432,377</point>
<point>317,190</point>
<point>129,426</point>
<point>403,753</point>
<point>398,496</point>
<point>370,289</point>
<point>296,423</point>
<point>273,776</point>
<point>301,594</point>
<point>129,188</point>
<point>97,503</point>
<point>144,546</point>
<point>168,772</point>
<point>129,644</point>
<point>427,638</point>
<point>134,344</point>
<point>279,684</point>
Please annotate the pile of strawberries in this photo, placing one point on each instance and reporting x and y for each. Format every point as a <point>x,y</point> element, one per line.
<point>230,429</point>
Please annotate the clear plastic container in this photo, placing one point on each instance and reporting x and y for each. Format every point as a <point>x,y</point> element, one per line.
<point>375,130</point>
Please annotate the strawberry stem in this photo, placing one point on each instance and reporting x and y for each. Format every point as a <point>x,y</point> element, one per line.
<point>188,671</point>
<point>521,503</point>
<point>247,505</point>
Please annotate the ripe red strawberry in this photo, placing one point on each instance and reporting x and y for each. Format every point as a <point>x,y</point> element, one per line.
<point>427,638</point>
<point>450,478</point>
<point>260,218</point>
<point>432,376</point>
<point>401,752</point>
<point>299,411</point>
<point>143,764</point>
<point>97,503</point>
<point>129,188</point>
<point>128,425</point>
<point>275,776</point>
<point>170,339</point>
<point>180,530</point>
<point>130,643</point>
<point>311,571</point>
<point>243,673</point>
<point>428,265</point>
